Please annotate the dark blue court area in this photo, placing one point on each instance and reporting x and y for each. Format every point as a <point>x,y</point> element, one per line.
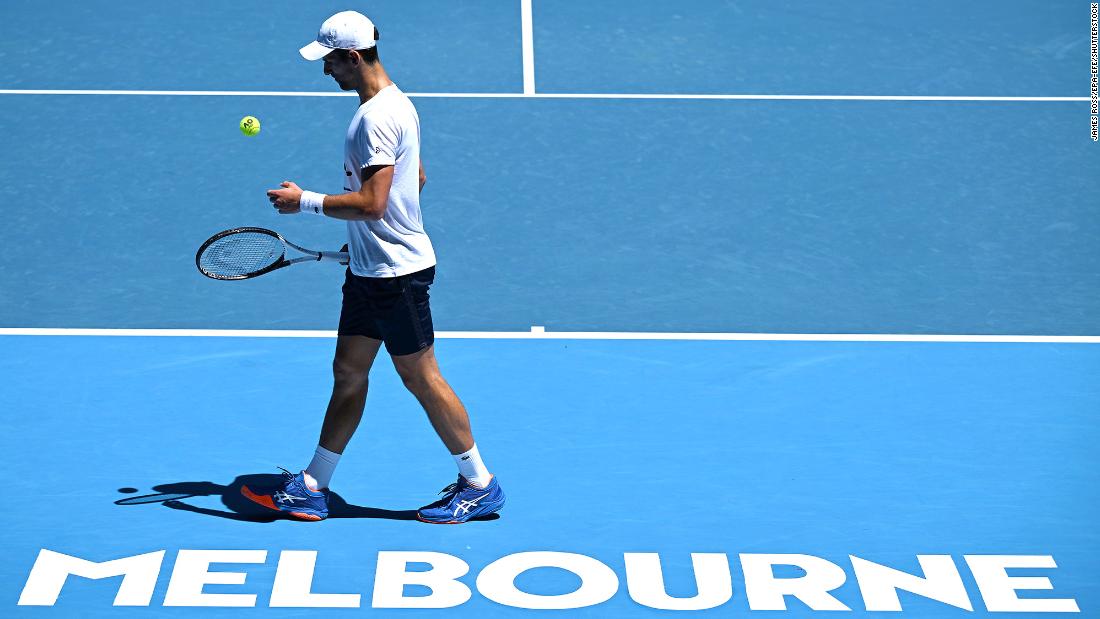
<point>658,462</point>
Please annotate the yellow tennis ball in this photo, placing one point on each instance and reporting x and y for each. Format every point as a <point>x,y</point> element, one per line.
<point>250,125</point>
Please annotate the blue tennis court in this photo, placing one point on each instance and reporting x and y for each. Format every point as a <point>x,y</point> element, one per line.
<point>757,307</point>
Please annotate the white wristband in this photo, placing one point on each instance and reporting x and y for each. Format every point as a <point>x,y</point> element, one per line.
<point>312,202</point>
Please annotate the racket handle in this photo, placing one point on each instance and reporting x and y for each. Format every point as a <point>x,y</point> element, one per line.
<point>334,256</point>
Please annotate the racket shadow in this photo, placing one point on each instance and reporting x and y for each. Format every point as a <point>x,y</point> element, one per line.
<point>238,508</point>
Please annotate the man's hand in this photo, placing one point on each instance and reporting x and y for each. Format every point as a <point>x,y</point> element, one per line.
<point>286,200</point>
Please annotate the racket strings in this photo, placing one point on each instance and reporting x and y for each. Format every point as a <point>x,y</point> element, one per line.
<point>241,254</point>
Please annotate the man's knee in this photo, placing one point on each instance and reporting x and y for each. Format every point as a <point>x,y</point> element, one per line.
<point>417,380</point>
<point>349,375</point>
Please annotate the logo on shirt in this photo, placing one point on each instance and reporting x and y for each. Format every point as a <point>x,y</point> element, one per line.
<point>377,149</point>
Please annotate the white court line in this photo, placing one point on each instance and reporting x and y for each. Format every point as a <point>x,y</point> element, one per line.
<point>533,95</point>
<point>539,333</point>
<point>528,48</point>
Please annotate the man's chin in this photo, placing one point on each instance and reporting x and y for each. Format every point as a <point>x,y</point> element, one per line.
<point>344,86</point>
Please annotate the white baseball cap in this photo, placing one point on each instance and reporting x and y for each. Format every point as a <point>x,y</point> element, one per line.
<point>344,30</point>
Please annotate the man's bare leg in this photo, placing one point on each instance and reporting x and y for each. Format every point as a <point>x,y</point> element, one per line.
<point>350,369</point>
<point>301,496</point>
<point>477,492</point>
<point>420,373</point>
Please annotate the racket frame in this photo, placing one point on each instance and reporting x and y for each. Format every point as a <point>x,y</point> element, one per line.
<point>310,255</point>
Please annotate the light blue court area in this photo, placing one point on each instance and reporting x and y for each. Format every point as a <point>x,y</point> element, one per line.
<point>884,451</point>
<point>854,47</point>
<point>433,45</point>
<point>580,215</point>
<point>575,214</point>
<point>936,47</point>
<point>747,478</point>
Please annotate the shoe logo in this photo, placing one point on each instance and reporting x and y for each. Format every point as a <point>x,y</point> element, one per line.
<point>283,497</point>
<point>466,505</point>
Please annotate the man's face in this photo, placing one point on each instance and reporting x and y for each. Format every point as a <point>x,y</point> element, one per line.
<point>342,67</point>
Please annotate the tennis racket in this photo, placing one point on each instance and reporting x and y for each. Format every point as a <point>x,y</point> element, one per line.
<point>244,253</point>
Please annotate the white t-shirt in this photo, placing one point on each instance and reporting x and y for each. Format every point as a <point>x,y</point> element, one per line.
<point>386,131</point>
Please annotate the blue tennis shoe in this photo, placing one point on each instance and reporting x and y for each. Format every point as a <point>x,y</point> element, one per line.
<point>463,501</point>
<point>294,498</point>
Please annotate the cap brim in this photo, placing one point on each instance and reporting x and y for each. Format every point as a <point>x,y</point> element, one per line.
<point>314,51</point>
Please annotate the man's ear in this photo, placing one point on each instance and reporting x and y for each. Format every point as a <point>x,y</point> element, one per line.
<point>354,58</point>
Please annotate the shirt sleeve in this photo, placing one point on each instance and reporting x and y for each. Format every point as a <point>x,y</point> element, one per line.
<point>378,142</point>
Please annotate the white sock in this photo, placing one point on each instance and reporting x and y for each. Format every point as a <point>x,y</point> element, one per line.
<point>472,468</point>
<point>319,472</point>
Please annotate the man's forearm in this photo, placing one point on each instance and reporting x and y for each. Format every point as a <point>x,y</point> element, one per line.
<point>352,207</point>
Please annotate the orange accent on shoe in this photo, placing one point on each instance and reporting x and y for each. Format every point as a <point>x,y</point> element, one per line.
<point>265,500</point>
<point>304,516</point>
<point>262,499</point>
<point>436,522</point>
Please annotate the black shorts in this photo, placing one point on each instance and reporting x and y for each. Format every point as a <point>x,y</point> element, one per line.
<point>392,309</point>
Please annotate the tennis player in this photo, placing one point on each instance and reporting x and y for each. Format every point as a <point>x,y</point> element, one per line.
<point>386,285</point>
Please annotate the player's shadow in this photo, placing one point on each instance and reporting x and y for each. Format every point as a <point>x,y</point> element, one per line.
<point>239,508</point>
